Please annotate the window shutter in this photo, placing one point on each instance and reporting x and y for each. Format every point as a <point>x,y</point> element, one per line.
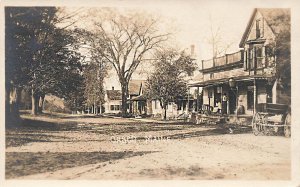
<point>263,55</point>
<point>266,56</point>
<point>254,60</point>
<point>262,27</point>
<point>245,60</point>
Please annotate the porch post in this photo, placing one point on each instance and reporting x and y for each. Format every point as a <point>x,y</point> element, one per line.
<point>197,104</point>
<point>188,101</point>
<point>222,109</point>
<point>237,97</point>
<point>255,96</point>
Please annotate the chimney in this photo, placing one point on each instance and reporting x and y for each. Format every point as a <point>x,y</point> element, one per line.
<point>192,50</point>
<point>112,88</point>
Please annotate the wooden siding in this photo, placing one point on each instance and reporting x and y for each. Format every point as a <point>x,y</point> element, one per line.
<point>225,74</point>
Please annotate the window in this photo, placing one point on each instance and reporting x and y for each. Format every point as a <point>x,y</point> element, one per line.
<point>114,107</point>
<point>259,57</point>
<point>211,76</point>
<point>251,61</point>
<point>258,28</point>
<point>268,54</point>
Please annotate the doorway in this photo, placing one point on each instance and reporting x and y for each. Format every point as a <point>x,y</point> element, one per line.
<point>232,101</point>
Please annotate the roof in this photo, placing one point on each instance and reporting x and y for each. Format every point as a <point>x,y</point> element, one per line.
<point>135,86</point>
<point>114,94</point>
<point>139,98</point>
<point>225,80</point>
<point>278,19</point>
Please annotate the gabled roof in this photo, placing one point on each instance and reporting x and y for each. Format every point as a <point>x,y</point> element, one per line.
<point>114,94</point>
<point>135,86</point>
<point>278,19</point>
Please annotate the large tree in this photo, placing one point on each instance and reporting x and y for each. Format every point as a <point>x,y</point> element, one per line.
<point>124,40</point>
<point>40,56</point>
<point>278,52</point>
<point>168,81</point>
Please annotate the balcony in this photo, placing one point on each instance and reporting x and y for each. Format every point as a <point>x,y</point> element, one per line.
<point>223,62</point>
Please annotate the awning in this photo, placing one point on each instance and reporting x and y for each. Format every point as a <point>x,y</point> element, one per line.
<point>225,80</point>
<point>139,98</point>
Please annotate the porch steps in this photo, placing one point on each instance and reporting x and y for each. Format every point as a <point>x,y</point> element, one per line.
<point>210,119</point>
<point>244,120</point>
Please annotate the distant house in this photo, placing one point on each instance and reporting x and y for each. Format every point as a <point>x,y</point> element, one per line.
<point>245,80</point>
<point>113,101</point>
<point>138,104</point>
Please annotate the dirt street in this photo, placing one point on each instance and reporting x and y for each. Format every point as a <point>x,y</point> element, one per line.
<point>63,147</point>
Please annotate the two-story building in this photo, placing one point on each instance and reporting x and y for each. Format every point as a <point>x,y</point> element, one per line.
<point>244,81</point>
<point>113,101</point>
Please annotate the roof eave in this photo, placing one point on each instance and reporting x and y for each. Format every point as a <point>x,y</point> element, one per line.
<point>242,42</point>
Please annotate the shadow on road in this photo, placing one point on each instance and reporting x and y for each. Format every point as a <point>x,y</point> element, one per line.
<point>27,163</point>
<point>209,132</point>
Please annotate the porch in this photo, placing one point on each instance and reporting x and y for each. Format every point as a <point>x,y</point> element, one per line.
<point>233,100</point>
<point>137,106</point>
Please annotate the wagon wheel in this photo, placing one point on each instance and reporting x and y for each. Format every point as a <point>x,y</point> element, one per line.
<point>287,125</point>
<point>264,128</point>
<point>256,121</point>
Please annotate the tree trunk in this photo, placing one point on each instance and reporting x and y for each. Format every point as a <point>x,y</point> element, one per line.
<point>165,113</point>
<point>12,115</point>
<point>35,102</point>
<point>7,100</point>
<point>41,103</point>
<point>18,100</point>
<point>8,114</point>
<point>124,90</point>
<point>16,94</point>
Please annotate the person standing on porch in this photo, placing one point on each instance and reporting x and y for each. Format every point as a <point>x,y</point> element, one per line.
<point>224,104</point>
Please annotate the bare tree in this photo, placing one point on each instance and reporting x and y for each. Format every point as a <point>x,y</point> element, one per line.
<point>219,46</point>
<point>124,41</point>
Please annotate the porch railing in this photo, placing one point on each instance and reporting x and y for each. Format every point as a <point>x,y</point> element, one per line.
<point>223,60</point>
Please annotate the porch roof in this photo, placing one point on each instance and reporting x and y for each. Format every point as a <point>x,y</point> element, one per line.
<point>225,80</point>
<point>139,98</point>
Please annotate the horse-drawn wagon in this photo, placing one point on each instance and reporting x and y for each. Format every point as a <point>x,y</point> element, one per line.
<point>272,119</point>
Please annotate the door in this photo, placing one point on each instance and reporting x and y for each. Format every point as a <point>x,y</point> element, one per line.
<point>232,101</point>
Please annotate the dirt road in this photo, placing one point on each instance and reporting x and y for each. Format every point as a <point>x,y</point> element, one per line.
<point>102,148</point>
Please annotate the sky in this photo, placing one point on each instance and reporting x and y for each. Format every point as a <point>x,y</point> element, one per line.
<point>191,22</point>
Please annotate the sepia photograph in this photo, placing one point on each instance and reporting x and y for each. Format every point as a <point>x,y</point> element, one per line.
<point>142,91</point>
